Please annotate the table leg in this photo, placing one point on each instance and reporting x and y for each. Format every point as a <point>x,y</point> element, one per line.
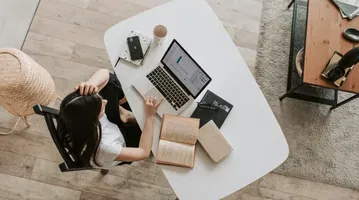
<point>290,4</point>
<point>345,102</point>
<point>289,92</point>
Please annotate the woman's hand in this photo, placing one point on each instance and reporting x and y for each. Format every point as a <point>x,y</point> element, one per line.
<point>86,88</point>
<point>151,107</point>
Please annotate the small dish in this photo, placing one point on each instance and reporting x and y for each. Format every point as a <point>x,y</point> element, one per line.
<point>351,34</point>
<point>299,62</point>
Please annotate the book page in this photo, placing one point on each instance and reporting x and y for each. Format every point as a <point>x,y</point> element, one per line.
<point>174,153</point>
<point>180,129</point>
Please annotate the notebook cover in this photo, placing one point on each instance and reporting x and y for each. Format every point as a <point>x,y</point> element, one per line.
<point>145,44</point>
<point>218,116</point>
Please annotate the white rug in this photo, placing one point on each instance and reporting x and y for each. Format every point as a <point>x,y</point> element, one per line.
<point>15,20</point>
<point>324,146</point>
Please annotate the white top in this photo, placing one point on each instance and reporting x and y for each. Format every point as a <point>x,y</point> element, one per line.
<point>111,144</point>
<point>251,128</point>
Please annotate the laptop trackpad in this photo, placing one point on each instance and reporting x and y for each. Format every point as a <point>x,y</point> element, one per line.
<point>154,92</point>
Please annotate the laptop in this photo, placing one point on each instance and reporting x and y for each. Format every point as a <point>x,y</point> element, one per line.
<point>178,80</point>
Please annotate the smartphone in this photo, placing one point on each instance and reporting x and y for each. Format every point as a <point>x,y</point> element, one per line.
<point>134,45</point>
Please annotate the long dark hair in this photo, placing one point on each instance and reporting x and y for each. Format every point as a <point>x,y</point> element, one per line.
<point>79,126</point>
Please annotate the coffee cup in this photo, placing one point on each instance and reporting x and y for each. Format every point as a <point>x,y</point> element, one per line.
<point>159,33</point>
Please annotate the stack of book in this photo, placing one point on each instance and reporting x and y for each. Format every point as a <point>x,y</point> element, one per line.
<point>178,138</point>
<point>348,8</point>
<point>145,45</point>
<point>179,135</point>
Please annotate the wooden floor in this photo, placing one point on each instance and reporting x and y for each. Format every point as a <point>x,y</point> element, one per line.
<point>66,38</point>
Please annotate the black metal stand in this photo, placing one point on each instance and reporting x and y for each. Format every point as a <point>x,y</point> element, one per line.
<point>345,101</point>
<point>291,92</point>
<point>292,89</point>
<point>290,4</point>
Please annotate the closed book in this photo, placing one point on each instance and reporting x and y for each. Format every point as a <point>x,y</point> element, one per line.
<point>213,142</point>
<point>218,115</point>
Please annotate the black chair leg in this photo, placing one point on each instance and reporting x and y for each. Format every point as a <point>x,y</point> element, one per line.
<point>290,4</point>
<point>104,171</point>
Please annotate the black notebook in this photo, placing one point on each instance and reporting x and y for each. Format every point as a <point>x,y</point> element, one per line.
<point>218,115</point>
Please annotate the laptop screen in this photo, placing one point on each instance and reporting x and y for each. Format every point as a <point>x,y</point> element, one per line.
<point>185,69</point>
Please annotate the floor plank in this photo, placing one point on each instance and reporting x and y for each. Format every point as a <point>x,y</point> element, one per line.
<point>249,56</point>
<point>143,171</point>
<point>252,8</point>
<point>251,190</point>
<point>160,179</point>
<point>8,121</point>
<point>89,196</point>
<point>30,144</point>
<point>15,188</point>
<point>45,45</point>
<point>91,56</point>
<point>251,197</point>
<point>274,194</point>
<point>119,8</point>
<point>307,188</point>
<point>76,16</point>
<point>77,3</point>
<point>146,3</point>
<point>246,22</point>
<point>95,183</point>
<point>246,39</point>
<point>68,32</point>
<point>64,68</point>
<point>64,86</point>
<point>231,31</point>
<point>16,164</point>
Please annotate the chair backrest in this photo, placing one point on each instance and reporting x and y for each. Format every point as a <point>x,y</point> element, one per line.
<point>51,118</point>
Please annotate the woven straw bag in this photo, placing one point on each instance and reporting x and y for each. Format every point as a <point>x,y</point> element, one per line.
<point>23,83</point>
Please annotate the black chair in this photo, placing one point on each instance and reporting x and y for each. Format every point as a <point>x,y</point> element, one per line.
<point>70,160</point>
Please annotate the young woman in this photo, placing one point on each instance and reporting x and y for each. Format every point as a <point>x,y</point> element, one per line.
<point>92,123</point>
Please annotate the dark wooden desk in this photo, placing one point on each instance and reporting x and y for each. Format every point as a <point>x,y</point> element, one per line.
<point>324,36</point>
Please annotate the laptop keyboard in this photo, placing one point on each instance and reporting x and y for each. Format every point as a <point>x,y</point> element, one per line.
<point>167,87</point>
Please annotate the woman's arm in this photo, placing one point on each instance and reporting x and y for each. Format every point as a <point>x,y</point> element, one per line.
<point>95,84</point>
<point>144,149</point>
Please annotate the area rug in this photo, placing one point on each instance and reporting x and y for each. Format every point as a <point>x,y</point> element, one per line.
<point>324,145</point>
<point>15,20</point>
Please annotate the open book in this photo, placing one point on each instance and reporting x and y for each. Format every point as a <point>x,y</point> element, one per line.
<point>178,141</point>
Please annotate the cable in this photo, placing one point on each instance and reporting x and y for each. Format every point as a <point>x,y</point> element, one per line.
<point>1,133</point>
